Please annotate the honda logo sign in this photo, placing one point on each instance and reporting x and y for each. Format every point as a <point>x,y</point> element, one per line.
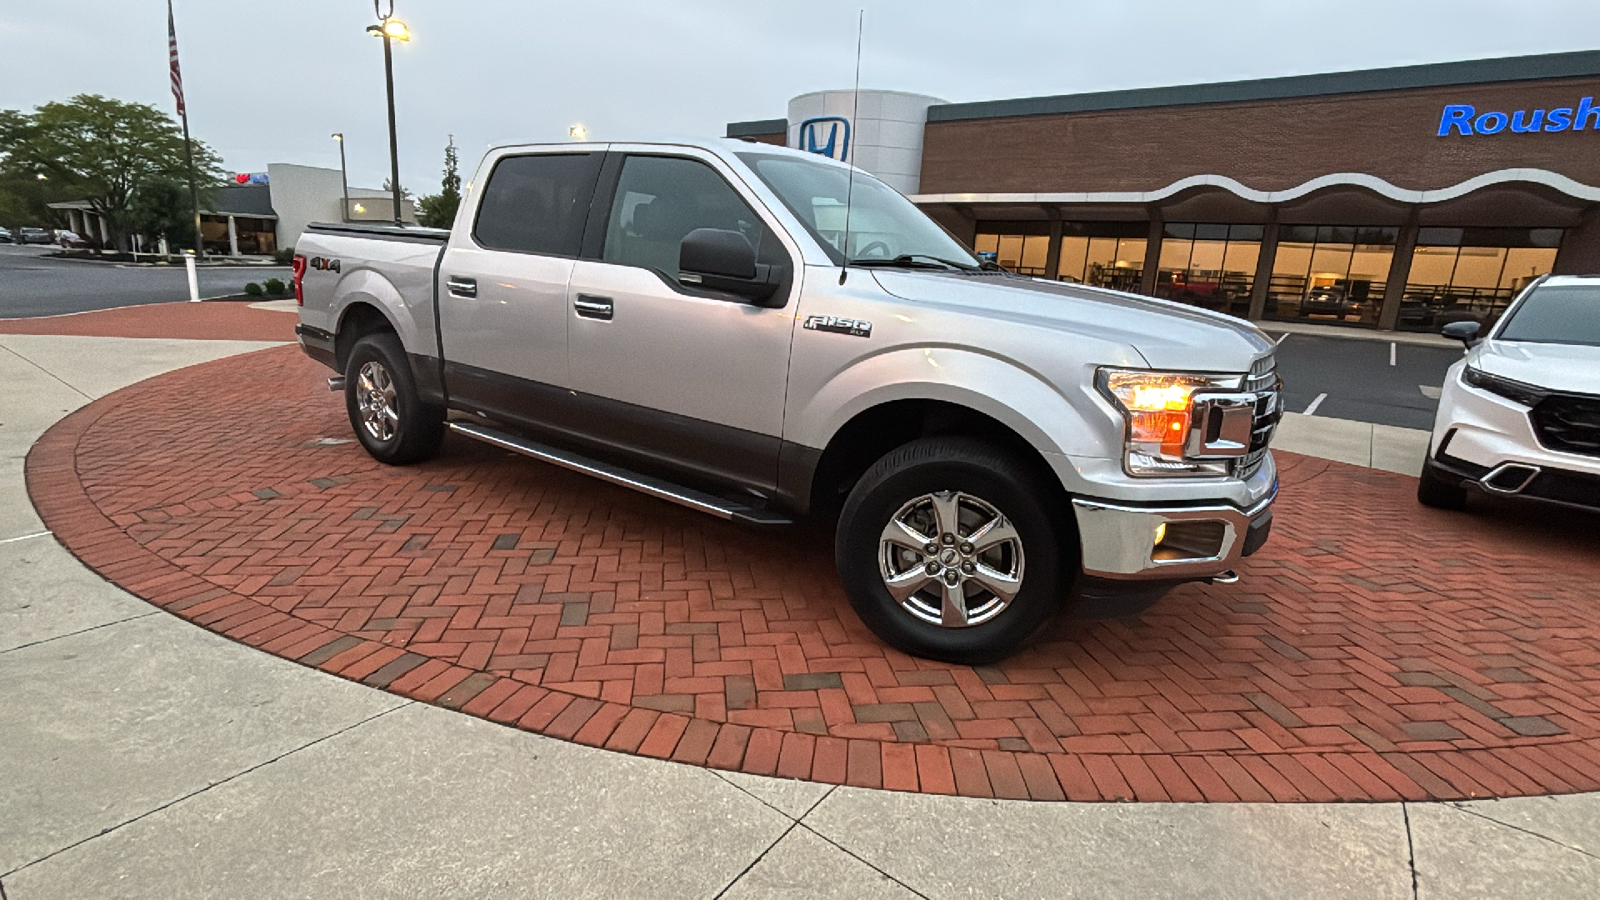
<point>826,136</point>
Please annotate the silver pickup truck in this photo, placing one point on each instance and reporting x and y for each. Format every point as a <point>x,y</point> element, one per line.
<point>763,334</point>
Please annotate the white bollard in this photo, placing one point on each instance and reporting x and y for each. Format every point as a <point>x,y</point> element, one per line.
<point>194,283</point>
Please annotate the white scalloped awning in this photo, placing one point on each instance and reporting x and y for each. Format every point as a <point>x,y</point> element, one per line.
<point>1553,180</point>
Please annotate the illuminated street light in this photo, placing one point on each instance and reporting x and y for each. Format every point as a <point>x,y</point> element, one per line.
<point>43,177</point>
<point>390,29</point>
<point>578,132</point>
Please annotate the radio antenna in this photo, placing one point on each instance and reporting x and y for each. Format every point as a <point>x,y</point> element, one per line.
<point>850,150</point>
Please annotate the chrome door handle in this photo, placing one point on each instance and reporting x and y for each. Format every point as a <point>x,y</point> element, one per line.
<point>591,307</point>
<point>461,287</point>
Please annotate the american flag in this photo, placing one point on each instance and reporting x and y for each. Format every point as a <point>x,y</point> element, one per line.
<point>172,48</point>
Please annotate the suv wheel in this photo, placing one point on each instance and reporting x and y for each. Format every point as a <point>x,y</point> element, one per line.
<point>388,416</point>
<point>1437,492</point>
<point>947,550</point>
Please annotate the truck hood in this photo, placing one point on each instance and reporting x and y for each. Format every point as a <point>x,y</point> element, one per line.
<point>1168,335</point>
<point>1571,368</point>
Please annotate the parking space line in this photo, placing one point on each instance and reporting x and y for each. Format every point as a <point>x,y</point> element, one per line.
<point>1282,337</point>
<point>1392,352</point>
<point>1312,409</point>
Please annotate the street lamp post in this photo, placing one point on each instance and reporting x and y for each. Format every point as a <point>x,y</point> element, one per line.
<point>344,178</point>
<point>390,29</point>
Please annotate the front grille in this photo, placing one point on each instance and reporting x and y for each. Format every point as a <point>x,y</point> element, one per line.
<point>1568,423</point>
<point>1263,379</point>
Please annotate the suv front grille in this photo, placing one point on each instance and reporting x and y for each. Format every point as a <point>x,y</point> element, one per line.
<point>1568,423</point>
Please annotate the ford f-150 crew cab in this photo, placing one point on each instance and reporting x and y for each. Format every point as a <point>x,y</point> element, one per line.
<point>763,334</point>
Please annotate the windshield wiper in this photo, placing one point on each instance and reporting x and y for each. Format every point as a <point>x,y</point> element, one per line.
<point>915,261</point>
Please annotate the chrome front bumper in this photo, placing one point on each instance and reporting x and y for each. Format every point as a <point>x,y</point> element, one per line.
<point>1119,541</point>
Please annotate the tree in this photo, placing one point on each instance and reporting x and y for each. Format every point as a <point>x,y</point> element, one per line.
<point>109,149</point>
<point>439,210</point>
<point>161,210</point>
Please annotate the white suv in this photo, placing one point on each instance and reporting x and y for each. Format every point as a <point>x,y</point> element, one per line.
<point>1520,413</point>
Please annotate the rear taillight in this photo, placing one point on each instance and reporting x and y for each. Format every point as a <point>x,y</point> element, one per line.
<point>299,280</point>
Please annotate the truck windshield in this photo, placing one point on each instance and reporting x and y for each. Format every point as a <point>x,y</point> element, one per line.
<point>885,227</point>
<point>1561,314</point>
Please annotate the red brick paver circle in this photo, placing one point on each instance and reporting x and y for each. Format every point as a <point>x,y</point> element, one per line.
<point>1374,651</point>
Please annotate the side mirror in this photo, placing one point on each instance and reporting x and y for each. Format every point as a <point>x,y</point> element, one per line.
<point>721,260</point>
<point>1465,332</point>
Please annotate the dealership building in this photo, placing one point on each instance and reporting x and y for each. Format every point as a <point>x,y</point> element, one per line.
<point>257,213</point>
<point>1400,198</point>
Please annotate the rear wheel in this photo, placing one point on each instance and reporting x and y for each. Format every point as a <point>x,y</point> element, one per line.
<point>390,419</point>
<point>947,550</point>
<point>1439,492</point>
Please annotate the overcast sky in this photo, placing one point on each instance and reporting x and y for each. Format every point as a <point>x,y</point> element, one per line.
<point>269,80</point>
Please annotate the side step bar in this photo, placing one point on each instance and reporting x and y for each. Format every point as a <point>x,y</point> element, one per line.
<point>644,484</point>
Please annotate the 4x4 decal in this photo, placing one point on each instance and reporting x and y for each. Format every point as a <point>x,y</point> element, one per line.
<point>852,327</point>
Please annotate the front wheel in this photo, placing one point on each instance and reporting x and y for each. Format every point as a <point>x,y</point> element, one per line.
<point>947,550</point>
<point>389,417</point>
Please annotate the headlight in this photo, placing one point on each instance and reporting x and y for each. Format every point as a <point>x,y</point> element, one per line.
<point>1159,409</point>
<point>1515,391</point>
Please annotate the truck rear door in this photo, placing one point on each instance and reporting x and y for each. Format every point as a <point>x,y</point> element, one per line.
<point>503,283</point>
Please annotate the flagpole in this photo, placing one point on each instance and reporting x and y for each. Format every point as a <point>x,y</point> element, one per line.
<point>188,144</point>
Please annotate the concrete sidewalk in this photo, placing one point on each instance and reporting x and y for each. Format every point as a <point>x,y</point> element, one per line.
<point>145,757</point>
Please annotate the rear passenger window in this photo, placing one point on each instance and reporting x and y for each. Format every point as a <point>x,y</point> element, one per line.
<point>537,204</point>
<point>661,199</point>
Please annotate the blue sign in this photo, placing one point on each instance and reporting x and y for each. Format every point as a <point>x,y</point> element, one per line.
<point>826,136</point>
<point>1462,119</point>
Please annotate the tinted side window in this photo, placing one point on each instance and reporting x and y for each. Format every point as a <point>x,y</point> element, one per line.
<point>537,204</point>
<point>661,199</point>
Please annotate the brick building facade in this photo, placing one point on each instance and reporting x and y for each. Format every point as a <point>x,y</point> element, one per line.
<point>1392,198</point>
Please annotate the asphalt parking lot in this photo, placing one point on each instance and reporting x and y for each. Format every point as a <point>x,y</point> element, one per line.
<point>34,284</point>
<point>1366,378</point>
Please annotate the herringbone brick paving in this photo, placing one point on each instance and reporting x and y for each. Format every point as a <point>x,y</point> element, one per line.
<point>1375,650</point>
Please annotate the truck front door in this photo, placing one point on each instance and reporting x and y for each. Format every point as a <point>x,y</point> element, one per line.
<point>669,372</point>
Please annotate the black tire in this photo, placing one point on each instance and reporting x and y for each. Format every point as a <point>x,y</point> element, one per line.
<point>417,428</point>
<point>1439,492</point>
<point>988,481</point>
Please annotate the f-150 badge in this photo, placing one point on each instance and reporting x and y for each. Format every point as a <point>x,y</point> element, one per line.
<point>852,327</point>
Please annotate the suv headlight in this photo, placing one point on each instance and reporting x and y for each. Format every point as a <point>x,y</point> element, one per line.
<point>1515,391</point>
<point>1159,409</point>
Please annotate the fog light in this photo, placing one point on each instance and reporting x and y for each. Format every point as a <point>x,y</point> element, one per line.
<point>1161,534</point>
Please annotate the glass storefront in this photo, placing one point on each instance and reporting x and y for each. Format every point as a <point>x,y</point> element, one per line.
<point>1022,247</point>
<point>1213,266</point>
<point>1333,274</point>
<point>1104,254</point>
<point>1329,274</point>
<point>1472,274</point>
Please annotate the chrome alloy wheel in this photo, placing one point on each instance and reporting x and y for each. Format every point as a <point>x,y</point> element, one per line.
<point>375,392</point>
<point>951,559</point>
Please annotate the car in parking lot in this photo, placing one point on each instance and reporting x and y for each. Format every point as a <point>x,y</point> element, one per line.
<point>34,236</point>
<point>5,236</point>
<point>70,239</point>
<point>1519,415</point>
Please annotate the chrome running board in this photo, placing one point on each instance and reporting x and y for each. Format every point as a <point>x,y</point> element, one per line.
<point>644,484</point>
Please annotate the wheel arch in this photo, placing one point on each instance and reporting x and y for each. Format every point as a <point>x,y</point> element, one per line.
<point>358,319</point>
<point>872,433</point>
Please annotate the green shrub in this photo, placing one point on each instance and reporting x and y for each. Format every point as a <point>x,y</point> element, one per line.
<point>253,290</point>
<point>284,257</point>
<point>275,287</point>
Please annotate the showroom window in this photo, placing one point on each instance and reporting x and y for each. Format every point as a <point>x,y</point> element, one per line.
<point>1104,254</point>
<point>1472,274</point>
<point>1022,247</point>
<point>1333,274</point>
<point>1213,266</point>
